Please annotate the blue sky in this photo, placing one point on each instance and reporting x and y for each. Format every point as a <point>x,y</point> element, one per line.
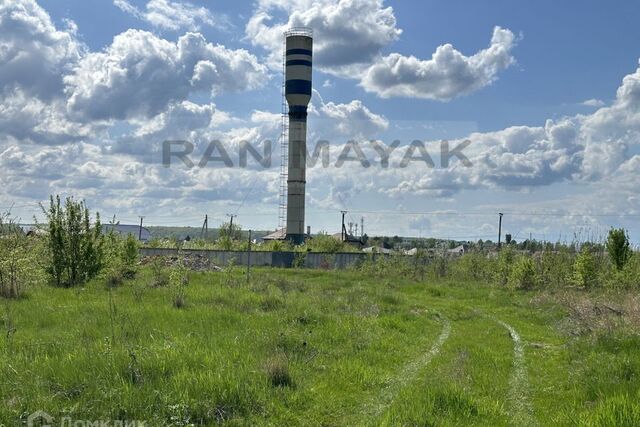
<point>537,87</point>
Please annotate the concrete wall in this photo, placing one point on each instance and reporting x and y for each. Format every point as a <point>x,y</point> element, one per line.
<point>270,259</point>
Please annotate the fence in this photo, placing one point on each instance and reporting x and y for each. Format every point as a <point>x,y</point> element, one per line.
<point>269,259</point>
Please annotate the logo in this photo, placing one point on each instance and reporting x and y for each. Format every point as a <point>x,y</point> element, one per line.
<point>39,419</point>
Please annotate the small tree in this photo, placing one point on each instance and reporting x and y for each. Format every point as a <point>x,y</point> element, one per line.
<point>19,258</point>
<point>524,274</point>
<point>230,231</point>
<point>75,246</point>
<point>506,259</point>
<point>130,256</point>
<point>584,269</point>
<point>618,247</point>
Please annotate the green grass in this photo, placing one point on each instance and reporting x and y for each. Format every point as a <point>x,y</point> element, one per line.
<point>298,347</point>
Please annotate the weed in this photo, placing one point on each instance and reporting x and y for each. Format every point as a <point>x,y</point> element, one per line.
<point>178,280</point>
<point>277,371</point>
<point>159,273</point>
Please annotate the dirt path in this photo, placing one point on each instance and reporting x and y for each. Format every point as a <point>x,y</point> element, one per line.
<point>520,405</point>
<point>381,402</point>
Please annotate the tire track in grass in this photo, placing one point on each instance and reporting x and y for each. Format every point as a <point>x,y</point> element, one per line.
<point>408,373</point>
<point>521,408</point>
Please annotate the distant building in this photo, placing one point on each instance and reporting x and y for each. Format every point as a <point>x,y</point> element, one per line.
<point>377,250</point>
<point>280,234</point>
<point>458,250</point>
<point>124,230</point>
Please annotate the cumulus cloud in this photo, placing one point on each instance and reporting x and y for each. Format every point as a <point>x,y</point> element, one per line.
<point>594,151</point>
<point>34,55</point>
<point>348,33</point>
<point>344,121</point>
<point>53,89</point>
<point>173,15</point>
<point>593,102</point>
<point>28,119</point>
<point>448,73</point>
<point>583,148</point>
<point>140,74</point>
<point>349,39</point>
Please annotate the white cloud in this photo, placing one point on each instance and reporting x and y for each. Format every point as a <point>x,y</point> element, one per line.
<point>54,90</point>
<point>33,53</point>
<point>593,103</point>
<point>140,74</point>
<point>448,73</point>
<point>173,15</point>
<point>347,33</point>
<point>352,120</point>
<point>29,119</point>
<point>349,39</point>
<point>34,56</point>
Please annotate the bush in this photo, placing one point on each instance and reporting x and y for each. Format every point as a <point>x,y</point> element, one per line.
<point>523,275</point>
<point>299,260</point>
<point>178,280</point>
<point>628,277</point>
<point>506,259</point>
<point>75,247</point>
<point>585,272</point>
<point>129,257</point>
<point>440,266</point>
<point>326,243</point>
<point>556,268</point>
<point>114,278</point>
<point>473,266</point>
<point>159,273</point>
<point>19,260</point>
<point>618,247</point>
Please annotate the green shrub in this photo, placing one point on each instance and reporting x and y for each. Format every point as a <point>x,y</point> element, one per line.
<point>114,277</point>
<point>439,266</point>
<point>556,268</point>
<point>585,272</point>
<point>473,266</point>
<point>19,260</point>
<point>628,277</point>
<point>506,259</point>
<point>75,247</point>
<point>159,273</point>
<point>326,243</point>
<point>299,260</point>
<point>524,275</point>
<point>129,257</point>
<point>178,280</point>
<point>618,247</point>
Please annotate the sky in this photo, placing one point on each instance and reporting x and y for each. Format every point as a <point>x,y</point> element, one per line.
<point>546,93</point>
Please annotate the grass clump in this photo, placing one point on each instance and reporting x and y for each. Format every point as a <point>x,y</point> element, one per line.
<point>277,371</point>
<point>178,281</point>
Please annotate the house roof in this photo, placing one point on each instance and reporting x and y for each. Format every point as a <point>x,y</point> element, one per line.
<point>277,235</point>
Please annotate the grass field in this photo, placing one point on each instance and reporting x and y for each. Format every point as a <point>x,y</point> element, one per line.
<point>295,347</point>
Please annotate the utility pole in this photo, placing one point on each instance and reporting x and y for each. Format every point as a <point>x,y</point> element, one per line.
<point>344,230</point>
<point>249,257</point>
<point>231,224</point>
<point>140,231</point>
<point>361,226</point>
<point>500,231</point>
<point>205,227</point>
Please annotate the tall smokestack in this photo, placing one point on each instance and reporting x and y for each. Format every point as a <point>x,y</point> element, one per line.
<point>298,55</point>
